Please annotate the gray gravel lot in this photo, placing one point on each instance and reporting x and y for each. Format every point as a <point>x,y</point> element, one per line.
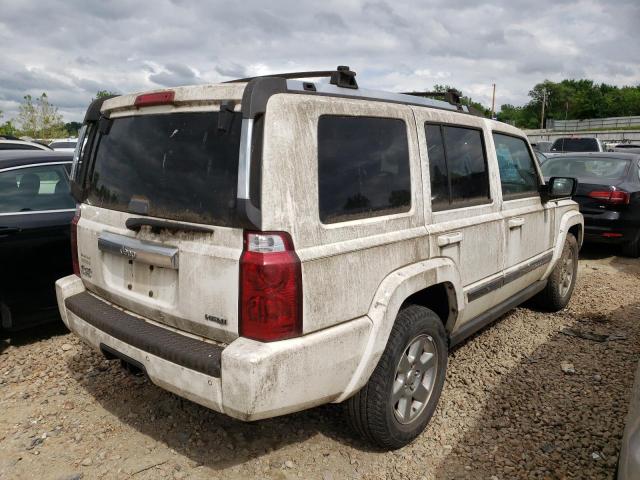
<point>522,400</point>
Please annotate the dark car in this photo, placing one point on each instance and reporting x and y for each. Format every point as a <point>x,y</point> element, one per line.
<point>577,144</point>
<point>608,194</point>
<point>36,209</point>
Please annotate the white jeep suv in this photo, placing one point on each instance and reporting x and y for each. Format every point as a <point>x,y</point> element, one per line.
<point>267,245</point>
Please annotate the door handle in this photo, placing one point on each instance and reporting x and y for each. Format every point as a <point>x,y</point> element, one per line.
<point>516,222</point>
<point>449,239</point>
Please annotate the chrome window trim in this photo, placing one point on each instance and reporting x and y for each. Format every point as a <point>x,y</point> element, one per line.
<point>244,160</point>
<point>8,169</point>
<point>34,212</point>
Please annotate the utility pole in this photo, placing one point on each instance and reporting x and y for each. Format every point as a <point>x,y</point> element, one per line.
<point>493,101</point>
<point>544,101</point>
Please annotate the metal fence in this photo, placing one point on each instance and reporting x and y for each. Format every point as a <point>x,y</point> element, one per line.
<point>592,123</point>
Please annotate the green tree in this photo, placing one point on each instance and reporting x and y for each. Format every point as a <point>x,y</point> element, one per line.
<point>72,128</point>
<point>574,100</point>
<point>104,93</point>
<point>40,119</point>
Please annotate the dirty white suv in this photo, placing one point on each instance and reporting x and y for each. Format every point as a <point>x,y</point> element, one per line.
<point>267,245</point>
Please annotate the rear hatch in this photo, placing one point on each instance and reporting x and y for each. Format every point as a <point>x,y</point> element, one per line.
<point>158,233</point>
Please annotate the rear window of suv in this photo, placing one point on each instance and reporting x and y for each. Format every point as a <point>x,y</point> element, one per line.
<point>575,145</point>
<point>363,167</point>
<point>183,166</point>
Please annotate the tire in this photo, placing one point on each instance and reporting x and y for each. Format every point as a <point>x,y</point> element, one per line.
<point>374,412</point>
<point>632,249</point>
<point>562,281</point>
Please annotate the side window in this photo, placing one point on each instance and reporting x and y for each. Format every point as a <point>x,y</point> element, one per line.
<point>363,167</point>
<point>518,175</point>
<point>34,189</point>
<point>437,168</point>
<point>457,166</point>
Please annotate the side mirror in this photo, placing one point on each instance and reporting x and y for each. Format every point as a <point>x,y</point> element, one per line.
<point>559,187</point>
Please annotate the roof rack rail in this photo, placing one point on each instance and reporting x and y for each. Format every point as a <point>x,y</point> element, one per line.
<point>341,77</point>
<point>451,96</point>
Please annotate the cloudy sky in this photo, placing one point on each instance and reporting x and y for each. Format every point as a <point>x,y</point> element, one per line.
<point>71,49</point>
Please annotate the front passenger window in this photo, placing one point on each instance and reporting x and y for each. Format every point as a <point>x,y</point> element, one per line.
<point>518,175</point>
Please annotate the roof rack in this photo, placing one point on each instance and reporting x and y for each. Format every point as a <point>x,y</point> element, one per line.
<point>341,77</point>
<point>451,96</point>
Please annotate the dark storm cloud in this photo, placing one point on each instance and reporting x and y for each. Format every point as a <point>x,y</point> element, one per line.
<point>73,48</point>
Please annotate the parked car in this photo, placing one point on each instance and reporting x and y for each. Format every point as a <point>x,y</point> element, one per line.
<point>13,143</point>
<point>627,147</point>
<point>269,245</point>
<point>608,194</point>
<point>36,208</point>
<point>64,145</point>
<point>577,144</point>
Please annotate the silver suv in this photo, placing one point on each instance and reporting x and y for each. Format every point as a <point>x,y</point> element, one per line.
<point>271,244</point>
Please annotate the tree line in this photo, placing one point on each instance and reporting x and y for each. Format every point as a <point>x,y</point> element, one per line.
<point>568,99</point>
<point>38,118</point>
<point>572,100</point>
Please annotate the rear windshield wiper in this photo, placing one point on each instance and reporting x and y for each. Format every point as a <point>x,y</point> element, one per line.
<point>156,225</point>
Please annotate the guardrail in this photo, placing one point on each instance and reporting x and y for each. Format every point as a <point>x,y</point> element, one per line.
<point>610,136</point>
<point>593,123</point>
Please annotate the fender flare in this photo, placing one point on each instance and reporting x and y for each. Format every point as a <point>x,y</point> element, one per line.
<point>569,219</point>
<point>388,299</point>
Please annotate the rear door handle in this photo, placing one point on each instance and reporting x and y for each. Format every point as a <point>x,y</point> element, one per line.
<point>449,239</point>
<point>516,222</point>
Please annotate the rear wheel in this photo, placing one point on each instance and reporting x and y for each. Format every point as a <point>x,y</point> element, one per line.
<point>399,399</point>
<point>562,281</point>
<point>632,249</point>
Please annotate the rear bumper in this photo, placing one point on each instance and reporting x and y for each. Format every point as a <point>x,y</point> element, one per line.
<point>246,379</point>
<point>609,227</point>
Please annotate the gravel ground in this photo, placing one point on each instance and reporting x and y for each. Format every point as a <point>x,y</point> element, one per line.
<point>521,400</point>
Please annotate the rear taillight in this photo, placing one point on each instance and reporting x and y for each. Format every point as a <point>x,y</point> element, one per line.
<point>614,197</point>
<point>74,242</point>
<point>270,287</point>
<point>156,98</point>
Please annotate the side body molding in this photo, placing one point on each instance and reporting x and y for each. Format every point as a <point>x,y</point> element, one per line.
<point>568,220</point>
<point>388,299</point>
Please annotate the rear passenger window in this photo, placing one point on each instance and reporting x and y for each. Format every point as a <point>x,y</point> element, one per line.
<point>31,189</point>
<point>518,175</point>
<point>457,166</point>
<point>363,167</point>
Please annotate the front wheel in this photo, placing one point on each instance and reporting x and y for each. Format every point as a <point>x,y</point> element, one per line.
<point>562,281</point>
<point>399,399</point>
